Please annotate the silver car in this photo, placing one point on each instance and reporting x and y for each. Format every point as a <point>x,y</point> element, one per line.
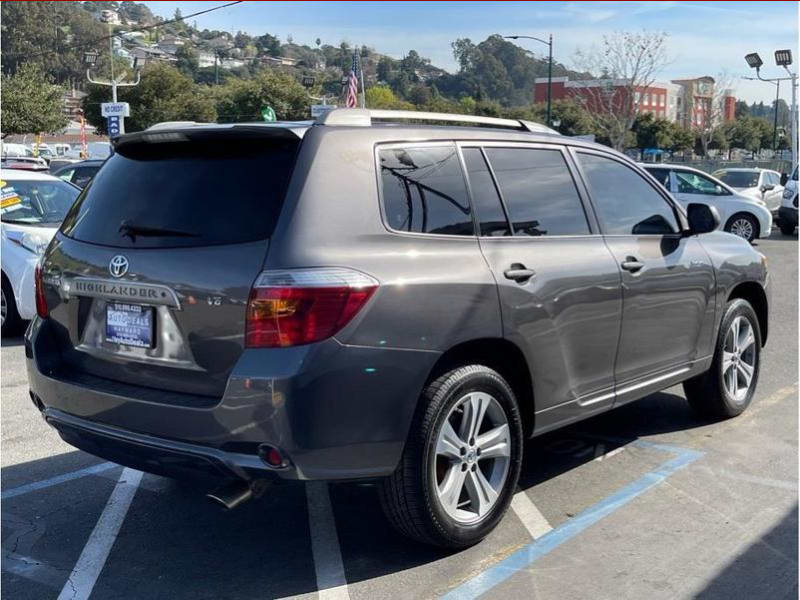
<point>401,302</point>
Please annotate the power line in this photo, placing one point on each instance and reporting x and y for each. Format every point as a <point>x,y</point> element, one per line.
<point>119,35</point>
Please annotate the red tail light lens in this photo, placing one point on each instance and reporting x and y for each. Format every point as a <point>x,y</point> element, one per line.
<point>301,306</point>
<point>41,301</point>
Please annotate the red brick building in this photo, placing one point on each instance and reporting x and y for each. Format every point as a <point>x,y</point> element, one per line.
<point>684,101</point>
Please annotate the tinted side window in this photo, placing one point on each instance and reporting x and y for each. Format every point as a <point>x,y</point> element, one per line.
<point>538,191</point>
<point>424,190</point>
<point>485,199</point>
<point>625,202</point>
<point>661,175</point>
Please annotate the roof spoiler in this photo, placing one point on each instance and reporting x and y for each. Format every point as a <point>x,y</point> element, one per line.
<point>364,117</point>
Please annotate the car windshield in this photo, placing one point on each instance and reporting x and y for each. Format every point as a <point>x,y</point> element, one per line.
<point>738,179</point>
<point>36,201</point>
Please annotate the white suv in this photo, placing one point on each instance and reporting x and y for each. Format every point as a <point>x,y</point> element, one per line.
<point>787,215</point>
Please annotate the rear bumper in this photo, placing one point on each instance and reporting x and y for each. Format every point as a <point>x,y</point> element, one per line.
<point>787,215</point>
<point>335,412</point>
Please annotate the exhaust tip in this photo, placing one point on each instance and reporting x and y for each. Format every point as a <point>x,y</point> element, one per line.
<point>231,495</point>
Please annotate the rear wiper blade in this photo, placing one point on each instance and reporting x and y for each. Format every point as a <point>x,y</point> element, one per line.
<point>132,230</point>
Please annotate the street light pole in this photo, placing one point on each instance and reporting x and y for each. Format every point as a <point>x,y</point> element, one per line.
<point>549,44</point>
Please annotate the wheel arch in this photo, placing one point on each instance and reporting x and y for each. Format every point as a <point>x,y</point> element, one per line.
<point>757,297</point>
<point>744,213</point>
<point>503,356</point>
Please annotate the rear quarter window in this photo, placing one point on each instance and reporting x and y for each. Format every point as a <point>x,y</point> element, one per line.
<point>185,194</point>
<point>423,190</point>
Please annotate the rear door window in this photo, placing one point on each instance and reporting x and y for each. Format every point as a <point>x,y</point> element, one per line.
<point>424,190</point>
<point>538,191</point>
<point>184,194</point>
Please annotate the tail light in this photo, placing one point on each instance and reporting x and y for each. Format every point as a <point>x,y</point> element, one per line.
<point>41,301</point>
<point>301,306</point>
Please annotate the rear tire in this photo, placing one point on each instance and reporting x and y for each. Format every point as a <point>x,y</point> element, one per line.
<point>11,322</point>
<point>443,492</point>
<point>787,229</point>
<point>719,392</point>
<point>744,225</point>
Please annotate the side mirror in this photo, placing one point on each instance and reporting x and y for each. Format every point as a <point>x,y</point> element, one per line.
<point>767,187</point>
<point>702,218</point>
<point>784,178</point>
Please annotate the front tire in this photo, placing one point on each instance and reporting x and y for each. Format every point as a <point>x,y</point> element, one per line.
<point>787,229</point>
<point>743,225</point>
<point>727,388</point>
<point>461,462</point>
<point>9,316</point>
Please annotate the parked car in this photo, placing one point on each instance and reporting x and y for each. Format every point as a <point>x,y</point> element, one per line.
<point>759,184</point>
<point>57,163</point>
<point>24,163</point>
<point>79,173</point>
<point>402,303</point>
<point>787,215</point>
<point>31,208</point>
<point>11,150</point>
<point>741,215</point>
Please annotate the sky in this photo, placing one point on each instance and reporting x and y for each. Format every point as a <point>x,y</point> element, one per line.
<point>704,38</point>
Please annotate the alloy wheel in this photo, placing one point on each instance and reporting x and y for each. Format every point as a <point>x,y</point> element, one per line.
<point>472,457</point>
<point>743,228</point>
<point>739,358</point>
<point>3,307</point>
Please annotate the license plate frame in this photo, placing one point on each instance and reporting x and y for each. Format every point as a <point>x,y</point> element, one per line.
<point>130,324</point>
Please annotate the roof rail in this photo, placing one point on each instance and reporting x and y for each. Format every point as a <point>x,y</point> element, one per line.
<point>363,117</point>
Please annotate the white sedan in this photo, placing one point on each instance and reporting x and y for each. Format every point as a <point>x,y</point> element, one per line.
<point>741,215</point>
<point>32,206</point>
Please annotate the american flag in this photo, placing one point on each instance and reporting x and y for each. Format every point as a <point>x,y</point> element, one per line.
<point>352,84</point>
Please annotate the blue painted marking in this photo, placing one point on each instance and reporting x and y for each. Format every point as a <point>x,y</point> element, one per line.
<point>38,485</point>
<point>526,555</point>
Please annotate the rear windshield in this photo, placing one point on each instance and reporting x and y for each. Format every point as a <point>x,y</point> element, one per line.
<point>739,179</point>
<point>185,194</point>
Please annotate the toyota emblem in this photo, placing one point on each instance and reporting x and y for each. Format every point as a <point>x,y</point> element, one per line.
<point>118,266</point>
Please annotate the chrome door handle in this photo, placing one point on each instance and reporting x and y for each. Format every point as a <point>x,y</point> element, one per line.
<point>519,273</point>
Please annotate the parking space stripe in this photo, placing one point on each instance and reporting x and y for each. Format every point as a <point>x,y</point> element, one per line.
<point>331,581</point>
<point>529,553</point>
<point>531,517</point>
<point>46,483</point>
<point>90,563</point>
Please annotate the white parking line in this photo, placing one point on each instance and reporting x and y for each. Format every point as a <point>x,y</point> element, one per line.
<point>531,517</point>
<point>91,561</point>
<point>38,485</point>
<point>331,581</point>
<point>600,452</point>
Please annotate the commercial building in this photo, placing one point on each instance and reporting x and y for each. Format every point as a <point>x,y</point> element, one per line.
<point>684,101</point>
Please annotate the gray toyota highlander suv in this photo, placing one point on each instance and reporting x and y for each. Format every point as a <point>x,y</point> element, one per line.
<point>403,302</point>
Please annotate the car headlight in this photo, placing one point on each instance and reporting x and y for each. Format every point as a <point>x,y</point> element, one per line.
<point>33,242</point>
<point>787,193</point>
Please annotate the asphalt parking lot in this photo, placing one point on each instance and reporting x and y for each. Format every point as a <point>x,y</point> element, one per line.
<point>645,501</point>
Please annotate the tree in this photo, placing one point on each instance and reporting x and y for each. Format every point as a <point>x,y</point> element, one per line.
<point>163,94</point>
<point>713,106</point>
<point>741,109</point>
<point>241,100</point>
<point>30,102</point>
<point>385,68</point>
<point>652,132</point>
<point>630,63</point>
<point>188,62</point>
<point>269,44</point>
<point>318,42</point>
<point>380,96</point>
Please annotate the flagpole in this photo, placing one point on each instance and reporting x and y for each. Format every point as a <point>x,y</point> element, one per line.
<point>363,89</point>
